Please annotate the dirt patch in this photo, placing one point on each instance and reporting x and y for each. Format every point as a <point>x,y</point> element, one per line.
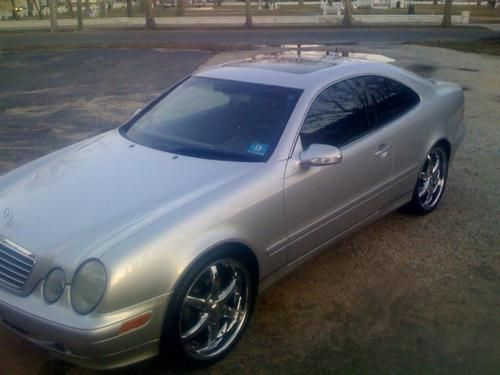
<point>489,46</point>
<point>422,69</point>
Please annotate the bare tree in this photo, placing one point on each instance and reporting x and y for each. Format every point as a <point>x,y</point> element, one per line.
<point>129,8</point>
<point>103,9</point>
<point>14,11</point>
<point>53,15</point>
<point>248,14</point>
<point>150,17</point>
<point>38,10</point>
<point>347,21</point>
<point>447,14</point>
<point>30,7</point>
<point>70,8</point>
<point>79,14</point>
<point>181,8</point>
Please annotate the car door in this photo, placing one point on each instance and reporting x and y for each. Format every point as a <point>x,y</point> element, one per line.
<point>324,201</point>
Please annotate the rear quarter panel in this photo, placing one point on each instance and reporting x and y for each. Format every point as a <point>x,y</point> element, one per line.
<point>437,117</point>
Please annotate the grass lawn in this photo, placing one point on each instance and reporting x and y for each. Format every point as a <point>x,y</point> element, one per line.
<point>491,15</point>
<point>475,11</point>
<point>489,46</point>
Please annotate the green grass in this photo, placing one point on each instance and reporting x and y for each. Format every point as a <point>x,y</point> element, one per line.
<point>489,46</point>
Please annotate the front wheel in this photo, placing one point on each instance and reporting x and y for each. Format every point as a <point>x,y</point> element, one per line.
<point>431,182</point>
<point>210,310</point>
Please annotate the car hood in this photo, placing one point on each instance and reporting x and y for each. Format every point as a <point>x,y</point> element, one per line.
<point>102,191</point>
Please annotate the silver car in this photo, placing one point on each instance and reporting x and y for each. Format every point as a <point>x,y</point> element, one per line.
<point>155,238</point>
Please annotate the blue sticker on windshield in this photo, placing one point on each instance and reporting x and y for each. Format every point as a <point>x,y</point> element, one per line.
<point>258,148</point>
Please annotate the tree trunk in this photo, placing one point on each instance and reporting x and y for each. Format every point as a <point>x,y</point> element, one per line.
<point>347,21</point>
<point>150,18</point>
<point>30,8</point>
<point>434,2</point>
<point>38,10</point>
<point>79,14</point>
<point>181,8</point>
<point>301,3</point>
<point>53,15</point>
<point>14,12</point>
<point>248,14</point>
<point>70,8</point>
<point>103,11</point>
<point>447,14</point>
<point>130,8</point>
<point>87,7</point>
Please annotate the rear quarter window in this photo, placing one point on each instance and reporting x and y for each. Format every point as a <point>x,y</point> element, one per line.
<point>390,99</point>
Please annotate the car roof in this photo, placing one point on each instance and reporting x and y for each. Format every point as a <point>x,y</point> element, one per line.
<point>300,69</point>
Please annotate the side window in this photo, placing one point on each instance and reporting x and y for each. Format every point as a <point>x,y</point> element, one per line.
<point>391,99</point>
<point>338,116</point>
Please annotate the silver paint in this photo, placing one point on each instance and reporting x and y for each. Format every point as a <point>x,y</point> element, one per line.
<point>148,216</point>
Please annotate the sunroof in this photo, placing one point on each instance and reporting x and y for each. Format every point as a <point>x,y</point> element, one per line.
<point>304,61</point>
<point>286,64</point>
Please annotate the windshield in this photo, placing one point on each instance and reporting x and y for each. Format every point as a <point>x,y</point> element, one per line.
<point>217,119</point>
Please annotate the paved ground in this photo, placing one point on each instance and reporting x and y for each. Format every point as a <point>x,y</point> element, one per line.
<point>201,38</point>
<point>405,295</point>
<point>51,99</point>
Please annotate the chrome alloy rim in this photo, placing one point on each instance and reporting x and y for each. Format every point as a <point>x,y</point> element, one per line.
<point>432,178</point>
<point>215,309</point>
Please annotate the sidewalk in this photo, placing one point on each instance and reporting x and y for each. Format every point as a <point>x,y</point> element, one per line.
<point>267,21</point>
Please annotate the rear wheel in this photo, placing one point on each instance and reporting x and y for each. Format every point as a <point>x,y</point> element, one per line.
<point>210,310</point>
<point>431,182</point>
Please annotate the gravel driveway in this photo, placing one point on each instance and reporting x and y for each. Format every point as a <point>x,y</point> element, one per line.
<point>404,295</point>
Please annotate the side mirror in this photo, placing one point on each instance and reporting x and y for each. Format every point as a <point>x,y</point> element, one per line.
<point>317,155</point>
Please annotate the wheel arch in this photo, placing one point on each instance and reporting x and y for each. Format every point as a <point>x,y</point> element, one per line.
<point>231,246</point>
<point>446,146</point>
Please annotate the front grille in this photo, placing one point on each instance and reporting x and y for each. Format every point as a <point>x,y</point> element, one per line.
<point>15,266</point>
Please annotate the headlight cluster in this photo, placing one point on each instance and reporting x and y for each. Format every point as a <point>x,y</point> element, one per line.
<point>87,288</point>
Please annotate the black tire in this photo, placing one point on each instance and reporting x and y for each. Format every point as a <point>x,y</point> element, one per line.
<point>430,185</point>
<point>175,349</point>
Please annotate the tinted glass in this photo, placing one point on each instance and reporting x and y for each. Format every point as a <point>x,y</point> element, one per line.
<point>390,98</point>
<point>338,116</point>
<point>217,119</point>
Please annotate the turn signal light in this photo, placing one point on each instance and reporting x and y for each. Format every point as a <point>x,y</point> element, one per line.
<point>134,323</point>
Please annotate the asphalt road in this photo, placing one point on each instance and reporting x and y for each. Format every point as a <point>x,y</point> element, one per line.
<point>404,295</point>
<point>203,38</point>
<point>51,99</point>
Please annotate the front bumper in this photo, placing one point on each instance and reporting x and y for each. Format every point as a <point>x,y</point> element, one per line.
<point>101,346</point>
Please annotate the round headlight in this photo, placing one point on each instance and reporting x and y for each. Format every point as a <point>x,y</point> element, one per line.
<point>88,286</point>
<point>53,286</point>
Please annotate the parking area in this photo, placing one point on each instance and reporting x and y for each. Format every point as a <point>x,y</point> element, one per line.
<point>406,294</point>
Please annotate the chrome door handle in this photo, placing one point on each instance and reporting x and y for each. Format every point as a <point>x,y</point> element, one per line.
<point>383,149</point>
